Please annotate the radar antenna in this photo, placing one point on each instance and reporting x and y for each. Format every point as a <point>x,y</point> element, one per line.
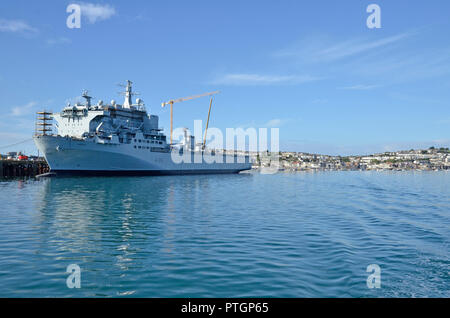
<point>128,94</point>
<point>86,96</point>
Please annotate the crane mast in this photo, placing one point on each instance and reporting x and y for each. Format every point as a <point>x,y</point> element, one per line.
<point>182,99</point>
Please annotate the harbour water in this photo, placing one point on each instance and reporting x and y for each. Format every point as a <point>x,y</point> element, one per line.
<point>247,235</point>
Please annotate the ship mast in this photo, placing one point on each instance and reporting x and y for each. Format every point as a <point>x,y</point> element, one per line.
<point>87,97</point>
<point>128,93</point>
<point>43,123</point>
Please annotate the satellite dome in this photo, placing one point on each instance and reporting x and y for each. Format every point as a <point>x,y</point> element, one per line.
<point>139,101</point>
<point>113,102</point>
<point>100,102</point>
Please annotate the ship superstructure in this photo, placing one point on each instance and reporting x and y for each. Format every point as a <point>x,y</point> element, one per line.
<point>121,139</point>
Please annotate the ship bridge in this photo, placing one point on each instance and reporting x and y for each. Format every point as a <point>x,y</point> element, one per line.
<point>108,120</point>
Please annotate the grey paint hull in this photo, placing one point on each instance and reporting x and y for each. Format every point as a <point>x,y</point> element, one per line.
<point>103,173</point>
<point>68,156</point>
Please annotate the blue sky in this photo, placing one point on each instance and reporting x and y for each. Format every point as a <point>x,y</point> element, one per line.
<point>311,68</point>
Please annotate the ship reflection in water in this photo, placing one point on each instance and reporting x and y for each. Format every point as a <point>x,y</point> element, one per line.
<point>115,228</point>
<point>130,220</point>
<point>283,235</point>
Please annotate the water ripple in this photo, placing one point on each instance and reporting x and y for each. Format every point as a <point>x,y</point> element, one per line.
<point>252,235</point>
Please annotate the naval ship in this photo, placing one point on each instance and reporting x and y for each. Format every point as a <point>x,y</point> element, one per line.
<point>114,139</point>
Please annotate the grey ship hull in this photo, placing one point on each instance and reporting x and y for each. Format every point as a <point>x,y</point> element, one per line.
<point>69,156</point>
<point>105,173</point>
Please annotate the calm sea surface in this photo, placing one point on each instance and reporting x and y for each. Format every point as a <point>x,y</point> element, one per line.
<point>283,235</point>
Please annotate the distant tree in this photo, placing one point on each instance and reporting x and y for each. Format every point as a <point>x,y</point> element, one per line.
<point>432,148</point>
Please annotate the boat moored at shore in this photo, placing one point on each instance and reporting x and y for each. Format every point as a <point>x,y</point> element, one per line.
<point>122,139</point>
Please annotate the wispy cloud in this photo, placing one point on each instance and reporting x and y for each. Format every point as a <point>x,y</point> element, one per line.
<point>359,87</point>
<point>319,101</point>
<point>16,26</point>
<point>326,51</point>
<point>276,122</point>
<point>388,60</point>
<point>351,48</point>
<point>444,121</point>
<point>24,109</point>
<point>405,66</point>
<point>96,12</point>
<point>258,79</point>
<point>272,123</point>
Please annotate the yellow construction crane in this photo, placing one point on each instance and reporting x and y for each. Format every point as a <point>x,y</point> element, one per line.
<point>173,101</point>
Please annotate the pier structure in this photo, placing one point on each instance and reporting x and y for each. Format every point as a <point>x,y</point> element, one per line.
<point>22,168</point>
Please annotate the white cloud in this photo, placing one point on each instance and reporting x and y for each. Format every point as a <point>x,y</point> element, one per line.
<point>23,110</point>
<point>257,79</point>
<point>15,26</point>
<point>96,12</point>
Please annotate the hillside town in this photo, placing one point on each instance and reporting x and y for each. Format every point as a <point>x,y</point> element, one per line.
<point>423,160</point>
